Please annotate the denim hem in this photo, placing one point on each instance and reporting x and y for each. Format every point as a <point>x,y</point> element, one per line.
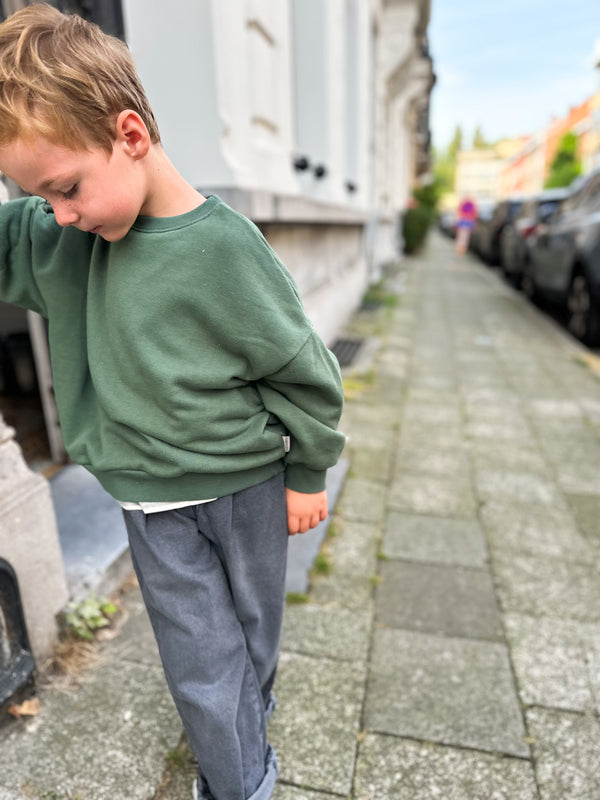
<point>265,789</point>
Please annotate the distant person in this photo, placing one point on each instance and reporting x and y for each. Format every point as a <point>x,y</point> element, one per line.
<point>188,379</point>
<point>466,216</point>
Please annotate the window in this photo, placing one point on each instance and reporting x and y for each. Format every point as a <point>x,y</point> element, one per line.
<point>108,14</point>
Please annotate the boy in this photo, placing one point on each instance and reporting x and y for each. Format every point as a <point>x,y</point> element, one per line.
<point>187,377</point>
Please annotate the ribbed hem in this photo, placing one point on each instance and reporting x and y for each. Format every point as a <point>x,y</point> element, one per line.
<point>132,486</point>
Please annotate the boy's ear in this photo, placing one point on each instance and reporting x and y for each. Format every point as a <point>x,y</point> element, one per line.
<point>132,133</point>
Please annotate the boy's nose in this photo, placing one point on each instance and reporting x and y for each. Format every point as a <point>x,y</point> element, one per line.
<point>64,214</point>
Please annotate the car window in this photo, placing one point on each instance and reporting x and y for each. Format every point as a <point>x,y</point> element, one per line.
<point>547,208</point>
<point>513,210</point>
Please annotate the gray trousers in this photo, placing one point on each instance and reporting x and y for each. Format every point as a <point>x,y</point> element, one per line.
<point>213,580</point>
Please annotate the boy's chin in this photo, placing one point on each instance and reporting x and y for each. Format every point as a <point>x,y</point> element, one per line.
<point>112,235</point>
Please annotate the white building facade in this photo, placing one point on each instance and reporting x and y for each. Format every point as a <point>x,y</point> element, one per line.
<point>309,116</point>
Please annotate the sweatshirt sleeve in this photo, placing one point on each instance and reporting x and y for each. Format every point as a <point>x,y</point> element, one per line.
<point>17,279</point>
<point>306,395</point>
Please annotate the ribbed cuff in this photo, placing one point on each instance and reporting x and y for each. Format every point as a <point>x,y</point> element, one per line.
<point>302,479</point>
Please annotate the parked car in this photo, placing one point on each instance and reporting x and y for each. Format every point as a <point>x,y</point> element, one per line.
<point>488,240</point>
<point>485,210</point>
<point>520,233</point>
<point>564,264</point>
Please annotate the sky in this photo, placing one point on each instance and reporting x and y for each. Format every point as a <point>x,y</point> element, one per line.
<point>509,66</point>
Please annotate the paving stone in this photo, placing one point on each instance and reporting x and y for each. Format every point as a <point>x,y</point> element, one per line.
<point>314,730</point>
<point>372,463</point>
<point>114,737</point>
<point>483,397</point>
<point>339,590</point>
<point>534,529</point>
<point>135,641</point>
<point>432,598</point>
<point>362,500</point>
<point>367,436</point>
<point>505,455</point>
<point>424,394</point>
<point>394,769</point>
<point>519,487</point>
<point>498,431</point>
<point>353,548</point>
<point>544,587</point>
<point>555,409</point>
<point>560,446</point>
<point>434,539</point>
<point>494,414</point>
<point>579,477</point>
<point>432,460</point>
<point>552,659</point>
<point>477,378</point>
<point>432,495</point>
<point>535,386</point>
<point>590,404</point>
<point>449,691</point>
<point>327,632</point>
<point>566,752</point>
<point>431,413</point>
<point>388,389</point>
<point>357,416</point>
<point>586,509</point>
<point>414,434</point>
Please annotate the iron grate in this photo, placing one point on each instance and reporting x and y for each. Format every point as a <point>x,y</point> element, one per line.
<point>346,350</point>
<point>16,661</point>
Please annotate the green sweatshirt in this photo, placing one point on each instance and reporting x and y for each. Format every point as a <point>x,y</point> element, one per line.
<point>181,354</point>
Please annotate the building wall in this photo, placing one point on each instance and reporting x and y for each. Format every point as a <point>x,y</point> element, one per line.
<point>478,174</point>
<point>29,542</point>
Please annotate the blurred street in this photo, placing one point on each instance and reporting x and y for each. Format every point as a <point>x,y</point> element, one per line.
<point>450,646</point>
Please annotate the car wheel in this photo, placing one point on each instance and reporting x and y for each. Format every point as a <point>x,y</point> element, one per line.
<point>584,316</point>
<point>513,276</point>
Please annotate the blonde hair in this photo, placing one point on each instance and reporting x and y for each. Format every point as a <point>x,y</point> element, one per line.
<point>63,78</point>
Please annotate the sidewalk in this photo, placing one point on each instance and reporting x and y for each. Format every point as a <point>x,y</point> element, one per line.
<point>453,651</point>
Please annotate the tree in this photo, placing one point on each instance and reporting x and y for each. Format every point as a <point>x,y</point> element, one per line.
<point>565,166</point>
<point>443,170</point>
<point>479,139</point>
<point>455,144</point>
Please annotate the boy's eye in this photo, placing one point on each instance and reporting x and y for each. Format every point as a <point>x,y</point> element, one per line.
<point>70,192</point>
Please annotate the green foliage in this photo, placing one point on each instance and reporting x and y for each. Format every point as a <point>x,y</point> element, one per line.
<point>296,598</point>
<point>322,565</point>
<point>479,139</point>
<point>177,757</point>
<point>565,166</point>
<point>87,616</point>
<point>418,218</point>
<point>377,295</point>
<point>415,224</point>
<point>444,169</point>
<point>456,143</point>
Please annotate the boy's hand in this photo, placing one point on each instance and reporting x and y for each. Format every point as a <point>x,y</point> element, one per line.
<point>305,510</point>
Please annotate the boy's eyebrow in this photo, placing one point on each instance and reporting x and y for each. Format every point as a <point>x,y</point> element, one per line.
<point>49,181</point>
